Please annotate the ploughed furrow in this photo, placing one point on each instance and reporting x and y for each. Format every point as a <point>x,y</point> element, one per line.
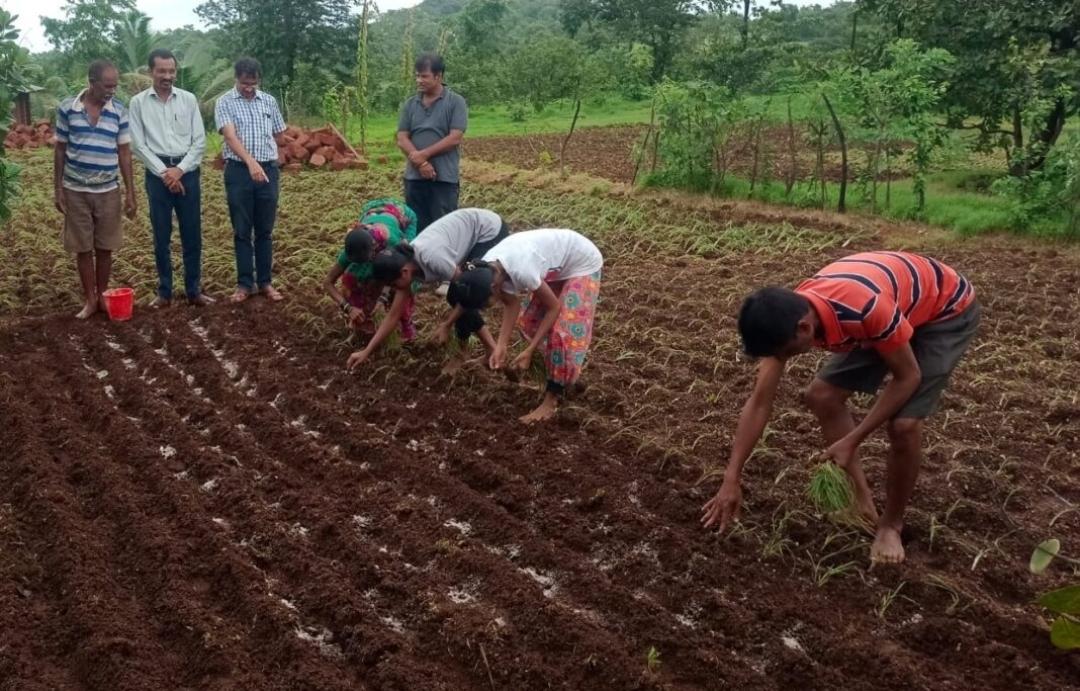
<point>474,509</point>
<point>205,588</point>
<point>251,499</point>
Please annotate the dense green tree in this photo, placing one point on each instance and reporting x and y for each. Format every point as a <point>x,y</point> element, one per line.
<point>88,31</point>
<point>658,24</point>
<point>281,34</point>
<point>1017,66</point>
<point>135,40</point>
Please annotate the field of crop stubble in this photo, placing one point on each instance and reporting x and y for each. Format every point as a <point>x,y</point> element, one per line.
<point>205,499</point>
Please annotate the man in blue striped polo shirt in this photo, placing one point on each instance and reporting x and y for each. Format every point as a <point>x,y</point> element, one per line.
<point>93,148</point>
<point>252,125</point>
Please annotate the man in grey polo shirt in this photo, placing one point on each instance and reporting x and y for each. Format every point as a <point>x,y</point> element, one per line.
<point>430,129</point>
<point>167,129</point>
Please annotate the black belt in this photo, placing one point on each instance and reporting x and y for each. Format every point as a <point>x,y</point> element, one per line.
<point>171,161</point>
<point>264,164</point>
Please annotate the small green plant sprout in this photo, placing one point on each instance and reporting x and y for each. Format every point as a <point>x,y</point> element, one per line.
<point>1064,602</point>
<point>652,659</point>
<point>830,490</point>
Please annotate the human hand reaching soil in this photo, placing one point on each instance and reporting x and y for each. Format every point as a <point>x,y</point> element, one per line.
<point>725,507</point>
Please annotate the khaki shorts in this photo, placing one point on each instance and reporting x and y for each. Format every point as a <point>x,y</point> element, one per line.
<point>92,221</point>
<point>938,349</point>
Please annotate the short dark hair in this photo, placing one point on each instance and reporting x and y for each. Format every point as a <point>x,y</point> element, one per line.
<point>472,289</point>
<point>164,54</point>
<point>769,319</point>
<point>98,68</point>
<point>386,267</point>
<point>247,67</point>
<point>430,61</point>
<point>359,245</point>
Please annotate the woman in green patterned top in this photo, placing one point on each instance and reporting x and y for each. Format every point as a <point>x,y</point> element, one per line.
<point>383,223</point>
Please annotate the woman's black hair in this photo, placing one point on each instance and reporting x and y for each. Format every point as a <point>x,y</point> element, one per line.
<point>769,319</point>
<point>387,266</point>
<point>472,289</point>
<point>359,245</point>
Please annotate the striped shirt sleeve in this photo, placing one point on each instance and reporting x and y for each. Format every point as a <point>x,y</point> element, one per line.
<point>123,132</point>
<point>61,124</point>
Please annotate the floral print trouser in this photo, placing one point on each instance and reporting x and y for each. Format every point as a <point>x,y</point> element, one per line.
<point>568,341</point>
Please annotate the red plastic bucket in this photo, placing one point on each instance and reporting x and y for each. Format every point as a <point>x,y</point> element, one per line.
<point>118,301</point>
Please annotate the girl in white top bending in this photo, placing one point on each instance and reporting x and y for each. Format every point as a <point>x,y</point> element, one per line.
<point>548,281</point>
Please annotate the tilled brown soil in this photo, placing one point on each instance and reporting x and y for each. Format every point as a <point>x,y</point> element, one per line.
<point>612,153</point>
<point>205,499</point>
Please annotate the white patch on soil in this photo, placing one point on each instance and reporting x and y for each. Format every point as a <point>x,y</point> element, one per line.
<point>114,345</point>
<point>546,582</point>
<point>462,527</point>
<point>321,638</point>
<point>792,643</point>
<point>394,624</point>
<point>110,392</point>
<point>361,522</point>
<point>221,522</point>
<point>166,452</point>
<point>288,605</point>
<point>209,485</point>
<point>101,374</point>
<point>462,596</point>
<point>297,529</point>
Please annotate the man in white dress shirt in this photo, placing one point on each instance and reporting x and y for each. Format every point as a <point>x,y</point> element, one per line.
<point>167,129</point>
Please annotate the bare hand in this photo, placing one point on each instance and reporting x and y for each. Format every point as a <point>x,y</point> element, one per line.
<point>59,203</point>
<point>498,357</point>
<point>356,359</point>
<point>129,204</point>
<point>441,335</point>
<point>523,360</point>
<point>725,507</point>
<point>842,452</point>
<point>417,158</point>
<point>176,187</point>
<point>172,176</point>
<point>257,173</point>
<point>428,172</point>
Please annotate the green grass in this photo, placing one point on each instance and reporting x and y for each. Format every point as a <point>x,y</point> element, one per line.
<point>496,120</point>
<point>950,202</point>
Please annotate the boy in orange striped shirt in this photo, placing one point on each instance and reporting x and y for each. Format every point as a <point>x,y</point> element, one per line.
<point>881,313</point>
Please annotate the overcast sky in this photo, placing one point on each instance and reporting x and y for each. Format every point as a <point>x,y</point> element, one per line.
<point>164,14</point>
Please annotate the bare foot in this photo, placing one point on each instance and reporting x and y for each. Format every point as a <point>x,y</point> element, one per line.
<point>545,411</point>
<point>272,294</point>
<point>239,295</point>
<point>89,309</point>
<point>888,547</point>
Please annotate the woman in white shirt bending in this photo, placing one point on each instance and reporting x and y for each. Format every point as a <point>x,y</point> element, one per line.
<point>556,273</point>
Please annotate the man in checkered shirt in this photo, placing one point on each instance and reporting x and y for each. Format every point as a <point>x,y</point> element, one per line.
<point>252,125</point>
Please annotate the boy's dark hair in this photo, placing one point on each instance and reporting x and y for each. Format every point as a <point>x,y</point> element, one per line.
<point>769,319</point>
<point>359,245</point>
<point>472,289</point>
<point>430,61</point>
<point>386,267</point>
<point>98,68</point>
<point>247,67</point>
<point>162,53</point>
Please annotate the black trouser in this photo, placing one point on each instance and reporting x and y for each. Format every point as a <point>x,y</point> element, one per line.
<point>471,321</point>
<point>430,200</point>
<point>188,207</point>
<point>252,209</point>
